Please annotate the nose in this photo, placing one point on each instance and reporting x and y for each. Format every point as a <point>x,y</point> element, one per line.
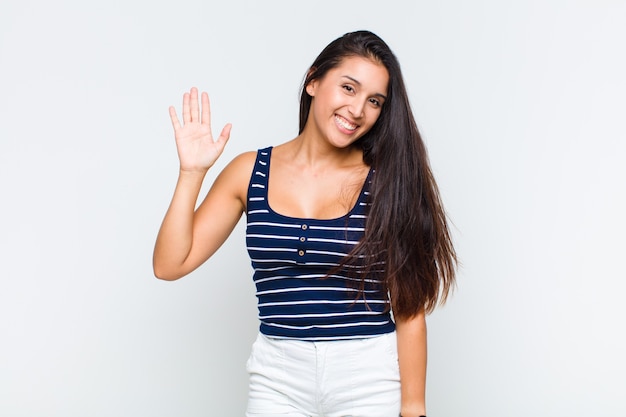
<point>356,107</point>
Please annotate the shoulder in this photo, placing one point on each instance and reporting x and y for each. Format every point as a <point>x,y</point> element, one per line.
<point>235,177</point>
<point>239,168</point>
<point>243,160</point>
<point>231,184</point>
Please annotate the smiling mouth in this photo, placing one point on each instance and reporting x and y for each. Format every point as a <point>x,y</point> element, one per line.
<point>345,123</point>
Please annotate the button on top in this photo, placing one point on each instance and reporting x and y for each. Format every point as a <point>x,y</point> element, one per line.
<point>302,239</point>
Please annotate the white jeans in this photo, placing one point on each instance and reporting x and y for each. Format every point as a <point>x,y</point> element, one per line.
<point>294,378</point>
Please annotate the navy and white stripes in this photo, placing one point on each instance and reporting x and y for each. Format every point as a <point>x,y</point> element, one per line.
<point>293,259</point>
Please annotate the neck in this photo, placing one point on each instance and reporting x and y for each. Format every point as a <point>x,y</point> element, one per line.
<point>312,152</point>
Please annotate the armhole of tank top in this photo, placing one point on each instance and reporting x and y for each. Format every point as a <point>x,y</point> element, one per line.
<point>256,168</point>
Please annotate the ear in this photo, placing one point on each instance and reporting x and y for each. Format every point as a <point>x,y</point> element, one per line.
<point>310,87</point>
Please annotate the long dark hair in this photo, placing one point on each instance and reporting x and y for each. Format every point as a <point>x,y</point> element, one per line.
<point>406,229</point>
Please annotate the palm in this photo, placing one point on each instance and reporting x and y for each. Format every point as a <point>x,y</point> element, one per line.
<point>197,151</point>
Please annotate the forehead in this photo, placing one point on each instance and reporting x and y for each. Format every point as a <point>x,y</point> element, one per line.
<point>368,72</point>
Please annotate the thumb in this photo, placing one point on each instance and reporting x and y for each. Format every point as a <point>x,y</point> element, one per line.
<point>224,135</point>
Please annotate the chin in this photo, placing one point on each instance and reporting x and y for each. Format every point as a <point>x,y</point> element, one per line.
<point>343,144</point>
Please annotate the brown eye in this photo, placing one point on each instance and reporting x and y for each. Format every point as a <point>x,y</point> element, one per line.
<point>375,102</point>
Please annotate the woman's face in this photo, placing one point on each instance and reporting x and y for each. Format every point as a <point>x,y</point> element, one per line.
<point>347,100</point>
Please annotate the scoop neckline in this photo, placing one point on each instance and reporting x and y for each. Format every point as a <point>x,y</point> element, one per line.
<point>350,212</point>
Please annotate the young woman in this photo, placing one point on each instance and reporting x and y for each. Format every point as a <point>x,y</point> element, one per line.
<point>346,232</point>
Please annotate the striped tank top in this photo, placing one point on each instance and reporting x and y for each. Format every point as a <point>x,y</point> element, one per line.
<point>292,258</point>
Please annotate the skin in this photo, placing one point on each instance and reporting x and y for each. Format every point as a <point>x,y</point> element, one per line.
<point>411,334</point>
<point>322,160</point>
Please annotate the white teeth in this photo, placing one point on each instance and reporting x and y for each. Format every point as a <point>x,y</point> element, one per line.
<point>345,124</point>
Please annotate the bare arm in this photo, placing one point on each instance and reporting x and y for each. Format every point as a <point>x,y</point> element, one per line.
<point>411,333</point>
<point>188,237</point>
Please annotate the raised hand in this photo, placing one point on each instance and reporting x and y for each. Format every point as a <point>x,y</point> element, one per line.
<point>197,151</point>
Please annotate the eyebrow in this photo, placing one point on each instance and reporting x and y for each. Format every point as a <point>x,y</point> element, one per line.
<point>357,82</point>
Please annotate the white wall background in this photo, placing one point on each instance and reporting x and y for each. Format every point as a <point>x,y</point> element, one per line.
<point>522,104</point>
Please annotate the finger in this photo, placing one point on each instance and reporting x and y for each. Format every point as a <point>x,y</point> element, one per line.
<point>195,115</point>
<point>174,118</point>
<point>206,110</point>
<point>225,135</point>
<point>186,111</point>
